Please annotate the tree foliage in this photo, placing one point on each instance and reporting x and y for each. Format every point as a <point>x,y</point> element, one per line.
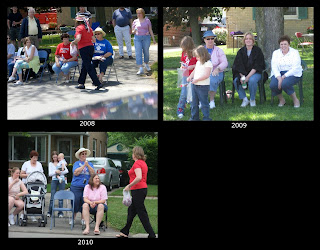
<point>189,17</point>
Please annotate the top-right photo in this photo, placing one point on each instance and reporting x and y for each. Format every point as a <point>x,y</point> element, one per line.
<point>238,63</point>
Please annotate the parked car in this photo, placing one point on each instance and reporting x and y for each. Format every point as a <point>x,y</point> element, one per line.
<point>122,166</point>
<point>107,171</point>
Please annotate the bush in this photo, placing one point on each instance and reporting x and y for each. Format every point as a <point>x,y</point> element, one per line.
<point>150,148</point>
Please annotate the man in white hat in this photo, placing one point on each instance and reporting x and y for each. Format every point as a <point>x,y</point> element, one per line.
<point>82,170</point>
<point>102,52</point>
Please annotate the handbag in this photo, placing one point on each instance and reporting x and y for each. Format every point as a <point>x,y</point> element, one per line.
<point>127,200</point>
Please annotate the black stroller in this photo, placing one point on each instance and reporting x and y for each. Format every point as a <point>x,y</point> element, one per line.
<point>34,202</point>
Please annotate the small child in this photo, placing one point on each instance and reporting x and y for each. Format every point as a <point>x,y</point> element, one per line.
<point>62,165</point>
<point>188,63</point>
<point>200,79</point>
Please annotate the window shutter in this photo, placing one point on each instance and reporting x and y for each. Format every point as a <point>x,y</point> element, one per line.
<point>302,12</point>
<point>253,13</point>
<point>73,12</point>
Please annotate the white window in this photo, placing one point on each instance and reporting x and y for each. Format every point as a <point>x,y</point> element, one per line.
<point>290,13</point>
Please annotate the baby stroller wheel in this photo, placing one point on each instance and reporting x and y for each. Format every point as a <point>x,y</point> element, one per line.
<point>39,222</point>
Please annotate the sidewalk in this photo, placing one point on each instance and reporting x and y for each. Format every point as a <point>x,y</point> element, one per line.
<point>62,228</point>
<point>35,99</point>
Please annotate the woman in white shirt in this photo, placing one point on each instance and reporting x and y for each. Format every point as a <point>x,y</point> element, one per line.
<point>286,71</point>
<point>55,183</point>
<point>31,166</point>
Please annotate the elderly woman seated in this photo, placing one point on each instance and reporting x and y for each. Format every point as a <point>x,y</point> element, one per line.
<point>102,53</point>
<point>15,187</point>
<point>95,202</point>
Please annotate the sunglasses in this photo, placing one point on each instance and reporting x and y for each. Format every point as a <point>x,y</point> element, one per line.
<point>209,39</point>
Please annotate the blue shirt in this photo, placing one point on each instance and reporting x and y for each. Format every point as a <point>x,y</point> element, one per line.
<point>102,47</point>
<point>122,17</point>
<point>84,175</point>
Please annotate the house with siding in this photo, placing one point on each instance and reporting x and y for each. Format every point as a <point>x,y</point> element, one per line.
<point>21,144</point>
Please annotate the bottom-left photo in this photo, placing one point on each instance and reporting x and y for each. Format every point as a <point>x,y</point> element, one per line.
<point>83,185</point>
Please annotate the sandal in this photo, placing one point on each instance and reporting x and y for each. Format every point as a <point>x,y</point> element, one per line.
<point>96,232</point>
<point>85,232</point>
<point>121,235</point>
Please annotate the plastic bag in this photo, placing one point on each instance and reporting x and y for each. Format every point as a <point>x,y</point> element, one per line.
<point>73,50</point>
<point>181,74</point>
<point>127,200</point>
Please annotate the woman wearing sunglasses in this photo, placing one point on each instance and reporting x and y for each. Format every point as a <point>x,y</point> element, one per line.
<point>219,62</point>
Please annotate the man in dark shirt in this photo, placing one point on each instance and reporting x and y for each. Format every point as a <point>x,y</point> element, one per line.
<point>14,21</point>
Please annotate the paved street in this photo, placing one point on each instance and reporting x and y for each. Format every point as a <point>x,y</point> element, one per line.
<point>33,99</point>
<point>62,228</point>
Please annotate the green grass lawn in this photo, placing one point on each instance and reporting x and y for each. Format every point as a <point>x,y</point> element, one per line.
<point>233,112</point>
<point>117,212</point>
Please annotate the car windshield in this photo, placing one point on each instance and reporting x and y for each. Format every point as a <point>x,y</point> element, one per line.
<point>97,161</point>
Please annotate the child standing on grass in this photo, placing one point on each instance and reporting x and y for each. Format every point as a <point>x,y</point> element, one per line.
<point>188,63</point>
<point>200,79</point>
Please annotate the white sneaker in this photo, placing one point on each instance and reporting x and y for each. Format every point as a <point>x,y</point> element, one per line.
<point>18,83</point>
<point>140,71</point>
<point>147,67</point>
<point>70,221</point>
<point>212,104</point>
<point>252,103</point>
<point>245,102</point>
<point>60,216</point>
<point>33,218</point>
<point>11,79</point>
<point>11,219</point>
<point>180,115</point>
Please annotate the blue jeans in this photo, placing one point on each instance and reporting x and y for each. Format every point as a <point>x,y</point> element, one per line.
<point>215,80</point>
<point>287,84</point>
<point>86,54</point>
<point>183,97</point>
<point>64,67</point>
<point>103,65</point>
<point>78,198</point>
<point>200,94</point>
<point>253,85</point>
<point>54,185</point>
<point>142,44</point>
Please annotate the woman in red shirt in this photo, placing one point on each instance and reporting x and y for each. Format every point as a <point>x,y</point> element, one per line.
<point>138,186</point>
<point>85,40</point>
<point>63,59</point>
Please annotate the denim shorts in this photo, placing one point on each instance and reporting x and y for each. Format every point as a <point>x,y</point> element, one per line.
<point>94,210</point>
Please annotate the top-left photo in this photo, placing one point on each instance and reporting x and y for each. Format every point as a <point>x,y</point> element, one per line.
<point>82,63</point>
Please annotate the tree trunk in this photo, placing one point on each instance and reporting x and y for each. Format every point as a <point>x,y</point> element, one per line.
<point>269,26</point>
<point>193,19</point>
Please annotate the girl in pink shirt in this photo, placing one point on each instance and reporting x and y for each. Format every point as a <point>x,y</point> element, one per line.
<point>95,202</point>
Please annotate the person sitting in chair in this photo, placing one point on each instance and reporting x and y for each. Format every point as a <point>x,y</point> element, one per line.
<point>102,52</point>
<point>95,202</point>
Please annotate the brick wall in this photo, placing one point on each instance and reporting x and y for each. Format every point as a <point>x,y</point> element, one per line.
<point>238,19</point>
<point>175,34</point>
